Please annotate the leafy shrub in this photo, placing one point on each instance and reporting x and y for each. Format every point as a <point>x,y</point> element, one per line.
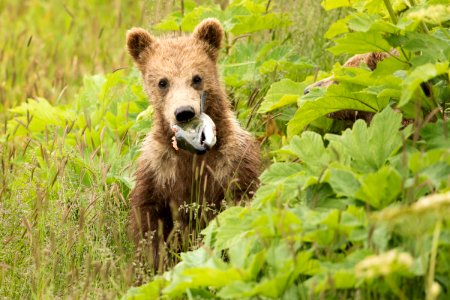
<point>339,215</point>
<point>358,214</point>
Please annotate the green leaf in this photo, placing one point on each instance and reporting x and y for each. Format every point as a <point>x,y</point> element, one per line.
<point>192,19</point>
<point>337,97</point>
<point>360,42</point>
<point>280,94</point>
<point>171,23</point>
<point>150,290</point>
<point>369,148</point>
<point>337,275</point>
<point>436,135</point>
<point>332,4</point>
<point>437,174</point>
<point>309,148</point>
<point>42,114</point>
<point>417,76</point>
<point>344,182</point>
<point>381,188</point>
<point>280,193</point>
<point>381,77</point>
<point>363,22</point>
<point>254,23</point>
<point>229,228</point>
<point>433,48</point>
<point>278,172</point>
<point>210,277</point>
<point>237,290</point>
<point>337,28</point>
<point>200,268</point>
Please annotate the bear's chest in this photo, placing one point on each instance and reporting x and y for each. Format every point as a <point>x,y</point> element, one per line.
<point>190,178</point>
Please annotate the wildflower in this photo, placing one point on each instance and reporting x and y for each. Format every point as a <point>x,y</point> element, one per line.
<point>384,264</point>
<point>435,290</point>
<point>432,202</point>
<point>434,14</point>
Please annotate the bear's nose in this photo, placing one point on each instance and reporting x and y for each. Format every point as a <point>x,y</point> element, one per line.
<point>184,113</point>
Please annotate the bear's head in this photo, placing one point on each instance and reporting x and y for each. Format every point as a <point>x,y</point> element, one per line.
<point>177,71</point>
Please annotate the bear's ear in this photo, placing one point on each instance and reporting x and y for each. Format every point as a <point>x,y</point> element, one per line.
<point>210,31</point>
<point>139,43</point>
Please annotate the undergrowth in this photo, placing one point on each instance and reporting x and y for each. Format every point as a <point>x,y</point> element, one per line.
<point>361,213</point>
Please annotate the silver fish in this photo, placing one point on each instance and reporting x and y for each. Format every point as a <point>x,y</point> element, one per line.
<point>196,136</point>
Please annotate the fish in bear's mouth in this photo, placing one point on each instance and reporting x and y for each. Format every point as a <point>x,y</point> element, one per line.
<point>198,135</point>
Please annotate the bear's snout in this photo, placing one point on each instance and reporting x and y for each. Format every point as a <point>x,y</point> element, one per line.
<point>184,113</point>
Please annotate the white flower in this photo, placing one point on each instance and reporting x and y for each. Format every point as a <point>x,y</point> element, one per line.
<point>432,202</point>
<point>435,290</point>
<point>434,14</point>
<point>384,264</point>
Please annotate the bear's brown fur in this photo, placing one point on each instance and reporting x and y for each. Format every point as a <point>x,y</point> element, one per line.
<point>167,180</point>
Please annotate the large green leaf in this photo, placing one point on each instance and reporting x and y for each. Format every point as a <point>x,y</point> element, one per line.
<point>433,47</point>
<point>228,229</point>
<point>421,74</point>
<point>254,22</point>
<point>380,188</point>
<point>361,42</point>
<point>370,147</point>
<point>343,181</point>
<point>311,150</point>
<point>280,182</point>
<point>436,135</point>
<point>278,172</point>
<point>151,290</point>
<point>280,94</point>
<point>337,28</point>
<point>337,97</point>
<point>363,22</point>
<point>41,114</point>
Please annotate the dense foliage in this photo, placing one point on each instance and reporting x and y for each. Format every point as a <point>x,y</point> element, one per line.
<point>358,212</point>
<point>339,214</point>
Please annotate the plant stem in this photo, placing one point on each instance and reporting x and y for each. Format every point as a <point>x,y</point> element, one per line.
<point>434,247</point>
<point>391,11</point>
<point>267,6</point>
<point>182,8</point>
<point>397,291</point>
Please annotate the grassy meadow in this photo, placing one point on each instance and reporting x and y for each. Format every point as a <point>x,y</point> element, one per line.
<point>334,206</point>
<point>67,156</point>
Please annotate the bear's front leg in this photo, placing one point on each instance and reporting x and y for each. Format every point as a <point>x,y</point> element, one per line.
<point>151,221</point>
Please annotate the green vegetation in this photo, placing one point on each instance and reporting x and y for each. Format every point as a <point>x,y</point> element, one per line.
<point>360,213</point>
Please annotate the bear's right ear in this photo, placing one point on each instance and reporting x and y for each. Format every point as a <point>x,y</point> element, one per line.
<point>139,43</point>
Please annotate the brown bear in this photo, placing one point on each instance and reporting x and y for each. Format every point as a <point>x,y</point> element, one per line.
<point>175,186</point>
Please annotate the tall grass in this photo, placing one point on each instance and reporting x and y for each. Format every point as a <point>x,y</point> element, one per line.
<point>310,23</point>
<point>66,169</point>
<point>48,46</point>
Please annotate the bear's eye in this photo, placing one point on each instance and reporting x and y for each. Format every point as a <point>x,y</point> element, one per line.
<point>163,83</point>
<point>196,79</point>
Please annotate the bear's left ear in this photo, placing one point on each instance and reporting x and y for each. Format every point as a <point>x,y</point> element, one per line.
<point>210,31</point>
<point>140,43</point>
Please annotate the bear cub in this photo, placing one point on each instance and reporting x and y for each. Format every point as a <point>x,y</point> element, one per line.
<point>176,189</point>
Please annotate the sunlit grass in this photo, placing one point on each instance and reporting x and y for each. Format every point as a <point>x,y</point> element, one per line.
<point>65,177</point>
<point>48,46</point>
